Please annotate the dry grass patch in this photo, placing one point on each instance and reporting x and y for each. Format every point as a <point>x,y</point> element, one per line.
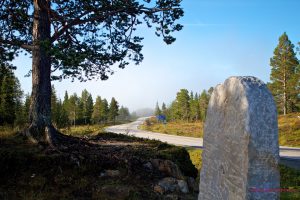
<point>182,128</point>
<point>289,129</point>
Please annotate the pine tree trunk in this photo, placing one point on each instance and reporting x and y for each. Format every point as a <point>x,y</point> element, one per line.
<point>40,107</point>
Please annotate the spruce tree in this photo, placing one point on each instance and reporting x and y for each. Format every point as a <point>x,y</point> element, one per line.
<point>73,107</point>
<point>164,109</point>
<point>87,106</point>
<point>104,111</point>
<point>195,109</point>
<point>123,114</point>
<point>157,111</point>
<point>66,98</point>
<point>62,115</point>
<point>27,107</point>
<point>203,104</point>
<point>284,75</point>
<point>183,104</point>
<point>10,96</point>
<point>96,115</point>
<point>113,110</point>
<point>54,107</point>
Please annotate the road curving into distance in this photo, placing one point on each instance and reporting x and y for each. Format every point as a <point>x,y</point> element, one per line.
<point>132,129</point>
<point>288,155</point>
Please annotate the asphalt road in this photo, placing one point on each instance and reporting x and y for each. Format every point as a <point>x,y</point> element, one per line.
<point>287,154</point>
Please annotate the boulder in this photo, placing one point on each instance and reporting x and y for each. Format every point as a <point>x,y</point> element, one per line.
<point>167,167</point>
<point>183,186</point>
<point>241,153</point>
<point>169,184</point>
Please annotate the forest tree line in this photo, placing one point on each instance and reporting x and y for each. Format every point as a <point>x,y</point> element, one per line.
<point>187,106</point>
<point>72,110</point>
<point>284,85</point>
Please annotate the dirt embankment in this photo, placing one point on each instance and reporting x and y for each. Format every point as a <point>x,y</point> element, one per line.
<point>106,166</point>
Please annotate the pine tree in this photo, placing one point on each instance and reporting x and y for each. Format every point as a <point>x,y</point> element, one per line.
<point>104,110</point>
<point>203,104</point>
<point>10,96</point>
<point>66,98</point>
<point>27,107</point>
<point>123,114</point>
<point>164,109</point>
<point>59,113</point>
<point>173,113</point>
<point>62,115</point>
<point>54,107</point>
<point>284,75</point>
<point>195,109</point>
<point>20,119</point>
<point>96,115</point>
<point>183,104</point>
<point>73,107</point>
<point>157,111</point>
<point>80,39</point>
<point>113,110</point>
<point>87,106</point>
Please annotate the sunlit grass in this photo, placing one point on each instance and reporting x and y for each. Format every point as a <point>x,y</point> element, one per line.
<point>182,128</point>
<point>84,130</point>
<point>6,131</point>
<point>289,178</point>
<point>289,130</point>
<point>196,158</point>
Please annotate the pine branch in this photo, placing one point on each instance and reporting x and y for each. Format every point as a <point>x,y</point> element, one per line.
<point>20,44</point>
<point>78,20</point>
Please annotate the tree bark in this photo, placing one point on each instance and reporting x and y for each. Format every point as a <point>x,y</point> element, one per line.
<point>40,107</point>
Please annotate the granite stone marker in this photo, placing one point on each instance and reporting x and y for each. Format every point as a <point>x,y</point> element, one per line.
<point>241,152</point>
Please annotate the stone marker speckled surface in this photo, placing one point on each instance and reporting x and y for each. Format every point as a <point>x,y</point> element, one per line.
<point>241,152</point>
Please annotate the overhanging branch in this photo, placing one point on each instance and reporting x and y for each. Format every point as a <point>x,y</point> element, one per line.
<point>28,47</point>
<point>78,20</point>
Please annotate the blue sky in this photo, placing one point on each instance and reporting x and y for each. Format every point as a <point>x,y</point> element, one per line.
<point>220,38</point>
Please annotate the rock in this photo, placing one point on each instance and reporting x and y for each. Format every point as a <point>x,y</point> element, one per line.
<point>148,166</point>
<point>192,184</point>
<point>159,189</point>
<point>183,186</point>
<point>110,173</point>
<point>169,184</point>
<point>241,151</point>
<point>167,167</point>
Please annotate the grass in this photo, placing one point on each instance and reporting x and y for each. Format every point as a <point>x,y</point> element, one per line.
<point>196,158</point>
<point>288,126</point>
<point>289,178</point>
<point>28,171</point>
<point>289,130</point>
<point>181,128</point>
<point>84,130</point>
<point>88,130</point>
